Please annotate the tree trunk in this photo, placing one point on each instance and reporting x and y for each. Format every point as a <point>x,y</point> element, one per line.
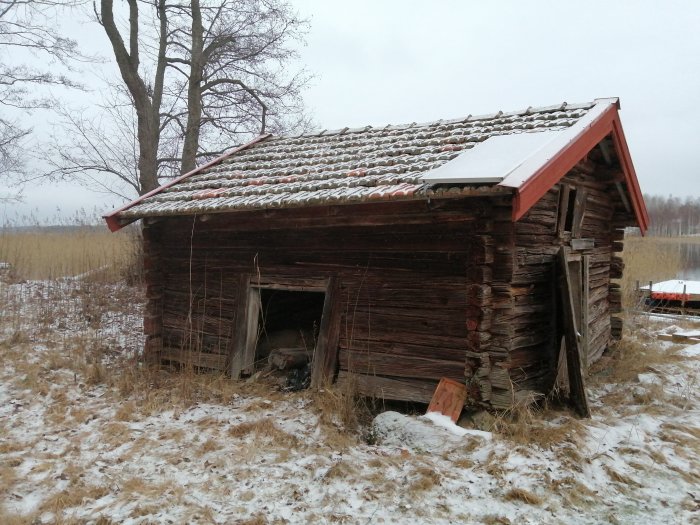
<point>146,101</point>
<point>194,93</point>
<point>149,138</point>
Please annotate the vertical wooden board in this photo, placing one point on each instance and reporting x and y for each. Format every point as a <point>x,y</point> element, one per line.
<point>585,312</point>
<point>573,351</point>
<point>563,208</point>
<point>579,212</point>
<point>326,352</point>
<point>575,276</point>
<point>449,398</point>
<point>251,329</point>
<point>561,382</point>
<point>238,341</point>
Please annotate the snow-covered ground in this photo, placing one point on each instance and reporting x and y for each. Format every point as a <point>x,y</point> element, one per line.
<point>86,436</point>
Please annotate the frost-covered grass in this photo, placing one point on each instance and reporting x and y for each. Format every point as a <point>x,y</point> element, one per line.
<point>87,435</point>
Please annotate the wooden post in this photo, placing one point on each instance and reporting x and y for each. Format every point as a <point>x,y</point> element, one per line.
<point>683,302</point>
<point>325,357</point>
<point>238,342</point>
<point>252,318</point>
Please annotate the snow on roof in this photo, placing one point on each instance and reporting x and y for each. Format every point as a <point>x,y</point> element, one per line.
<point>348,166</point>
<point>343,166</point>
<point>491,160</point>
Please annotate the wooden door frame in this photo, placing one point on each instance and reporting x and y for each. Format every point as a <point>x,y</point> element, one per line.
<point>325,355</point>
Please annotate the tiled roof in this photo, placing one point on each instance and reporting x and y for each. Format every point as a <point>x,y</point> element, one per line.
<point>342,166</point>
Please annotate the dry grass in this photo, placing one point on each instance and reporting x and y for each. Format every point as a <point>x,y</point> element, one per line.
<point>424,479</point>
<point>151,389</point>
<point>525,423</point>
<point>210,445</point>
<point>264,428</point>
<point>342,413</point>
<point>76,494</point>
<point>8,476</point>
<point>619,477</point>
<point>517,494</point>
<point>648,259</point>
<point>8,447</point>
<point>341,407</point>
<point>341,470</point>
<point>15,519</point>
<point>573,492</point>
<point>691,432</point>
<point>115,433</point>
<point>464,463</point>
<point>633,356</point>
<point>493,519</point>
<point>50,254</point>
<point>140,487</point>
<point>126,412</point>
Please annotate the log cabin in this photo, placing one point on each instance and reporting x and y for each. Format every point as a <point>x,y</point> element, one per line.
<point>466,249</point>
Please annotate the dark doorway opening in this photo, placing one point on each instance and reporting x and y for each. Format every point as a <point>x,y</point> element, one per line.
<point>288,326</point>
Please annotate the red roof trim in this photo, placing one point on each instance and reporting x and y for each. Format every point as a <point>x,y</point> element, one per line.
<point>623,153</point>
<point>608,122</point>
<point>112,218</point>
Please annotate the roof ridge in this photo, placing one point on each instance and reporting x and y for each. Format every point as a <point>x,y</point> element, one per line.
<point>469,118</point>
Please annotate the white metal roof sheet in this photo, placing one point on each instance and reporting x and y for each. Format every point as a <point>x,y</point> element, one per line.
<point>490,161</point>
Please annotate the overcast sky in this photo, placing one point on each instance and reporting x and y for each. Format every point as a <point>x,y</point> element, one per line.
<point>378,62</point>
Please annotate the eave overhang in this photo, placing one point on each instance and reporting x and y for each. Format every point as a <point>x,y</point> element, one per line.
<point>115,223</point>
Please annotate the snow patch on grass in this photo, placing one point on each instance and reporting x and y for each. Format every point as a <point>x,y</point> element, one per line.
<point>131,447</point>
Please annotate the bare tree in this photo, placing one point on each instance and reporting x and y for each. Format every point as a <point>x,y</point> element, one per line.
<point>103,153</point>
<point>672,216</point>
<point>146,96</point>
<point>199,77</point>
<point>231,58</point>
<point>28,31</point>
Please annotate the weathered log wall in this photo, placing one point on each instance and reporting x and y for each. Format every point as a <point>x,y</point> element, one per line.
<point>539,235</point>
<point>424,290</point>
<point>408,285</point>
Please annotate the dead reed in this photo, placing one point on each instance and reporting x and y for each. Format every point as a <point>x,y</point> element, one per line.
<point>648,259</point>
<point>52,253</point>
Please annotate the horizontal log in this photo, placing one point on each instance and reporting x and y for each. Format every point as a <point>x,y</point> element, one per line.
<point>387,388</point>
<point>411,212</point>
<point>374,363</point>
<point>286,358</point>
<point>196,359</point>
<point>401,350</point>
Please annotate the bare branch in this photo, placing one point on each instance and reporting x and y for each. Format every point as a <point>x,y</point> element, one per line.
<point>196,78</point>
<point>27,25</point>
